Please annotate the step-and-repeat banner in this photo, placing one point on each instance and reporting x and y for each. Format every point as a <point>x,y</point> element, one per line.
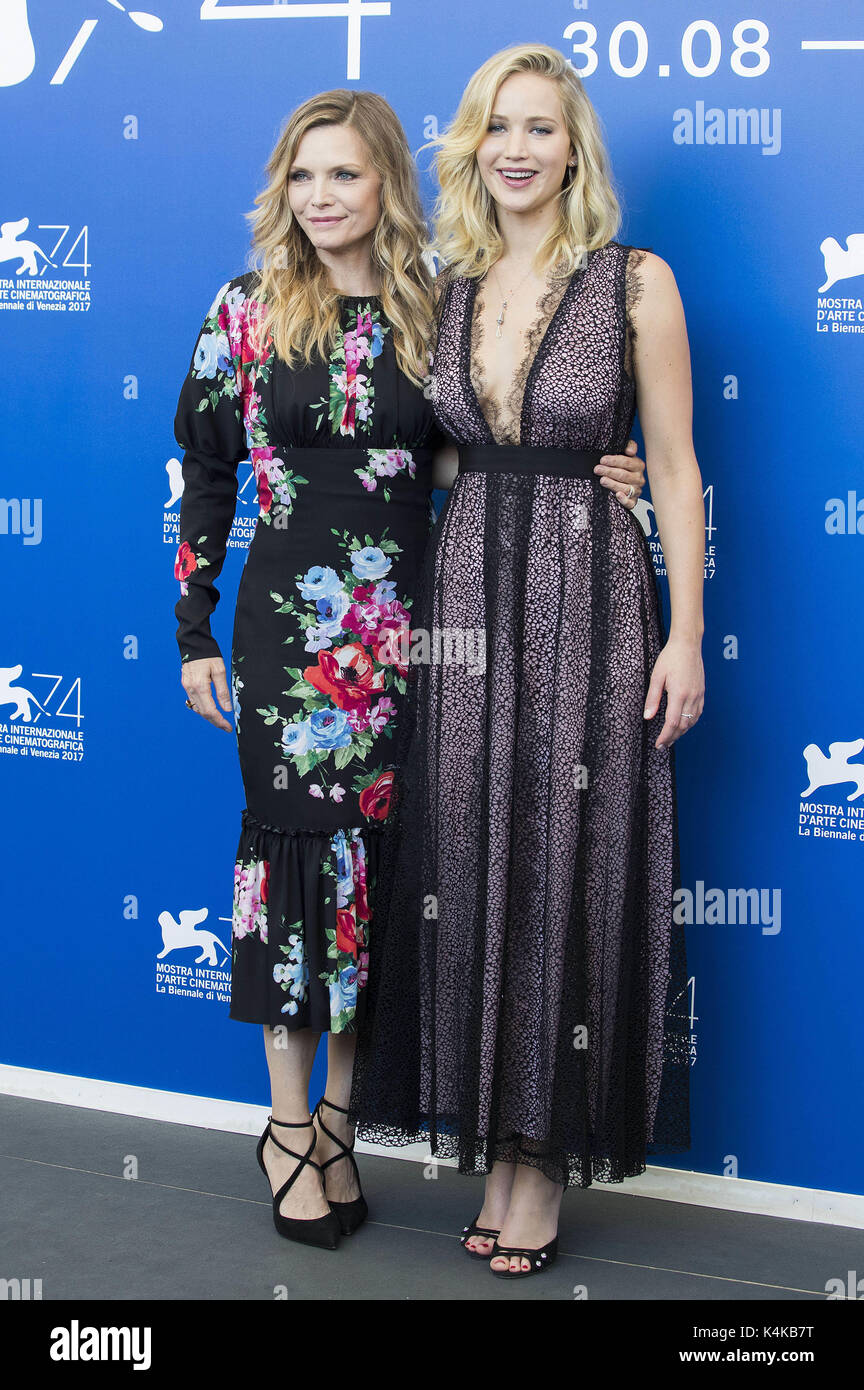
<point>134,142</point>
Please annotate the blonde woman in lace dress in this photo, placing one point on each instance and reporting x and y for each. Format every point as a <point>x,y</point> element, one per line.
<point>526,995</point>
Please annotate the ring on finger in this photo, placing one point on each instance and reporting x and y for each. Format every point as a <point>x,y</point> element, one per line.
<point>189,705</point>
<point>630,490</point>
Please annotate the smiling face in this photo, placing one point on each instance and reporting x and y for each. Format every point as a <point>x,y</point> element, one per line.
<point>524,155</point>
<point>333,190</point>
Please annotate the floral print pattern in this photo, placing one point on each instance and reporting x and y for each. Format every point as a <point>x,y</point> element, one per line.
<point>358,629</point>
<point>293,973</point>
<point>352,394</point>
<point>251,891</point>
<point>348,941</point>
<point>187,561</point>
<point>385,463</point>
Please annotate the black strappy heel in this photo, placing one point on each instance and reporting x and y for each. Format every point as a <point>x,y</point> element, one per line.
<point>475,1230</point>
<point>538,1260</point>
<point>350,1215</point>
<point>322,1231</point>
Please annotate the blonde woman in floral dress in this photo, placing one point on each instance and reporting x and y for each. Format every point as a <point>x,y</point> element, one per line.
<point>313,365</point>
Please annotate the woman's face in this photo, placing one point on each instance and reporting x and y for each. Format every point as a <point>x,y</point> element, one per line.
<point>524,155</point>
<point>333,190</point>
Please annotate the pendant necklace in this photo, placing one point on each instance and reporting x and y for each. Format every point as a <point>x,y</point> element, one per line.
<point>500,319</point>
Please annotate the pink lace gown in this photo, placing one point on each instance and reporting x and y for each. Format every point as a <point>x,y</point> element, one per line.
<point>528,986</point>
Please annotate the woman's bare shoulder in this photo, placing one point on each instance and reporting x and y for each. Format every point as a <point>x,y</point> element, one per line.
<point>648,279</point>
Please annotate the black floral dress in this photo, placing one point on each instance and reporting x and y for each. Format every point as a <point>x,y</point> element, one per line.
<point>342,456</point>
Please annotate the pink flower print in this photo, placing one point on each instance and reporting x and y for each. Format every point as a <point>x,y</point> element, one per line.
<point>251,891</point>
<point>358,719</point>
<point>316,791</point>
<point>251,408</point>
<point>261,459</point>
<point>337,793</point>
<point>352,353</point>
<point>381,713</point>
<point>383,463</point>
<point>389,466</point>
<point>391,645</point>
<point>394,609</point>
<point>364,619</point>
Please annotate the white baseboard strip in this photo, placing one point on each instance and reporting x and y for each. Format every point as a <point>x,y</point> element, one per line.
<point>237,1117</point>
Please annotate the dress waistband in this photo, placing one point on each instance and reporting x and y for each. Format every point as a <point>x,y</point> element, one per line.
<point>516,458</point>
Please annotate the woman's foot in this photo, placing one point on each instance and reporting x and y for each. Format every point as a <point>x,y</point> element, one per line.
<point>531,1220</point>
<point>340,1184</point>
<point>305,1200</point>
<point>495,1204</point>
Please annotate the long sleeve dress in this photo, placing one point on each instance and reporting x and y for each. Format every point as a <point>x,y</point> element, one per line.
<point>342,454</point>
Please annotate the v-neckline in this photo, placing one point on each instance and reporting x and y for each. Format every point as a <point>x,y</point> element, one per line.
<point>467,355</point>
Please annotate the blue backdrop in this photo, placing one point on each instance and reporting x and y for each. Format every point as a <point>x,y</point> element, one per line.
<point>139,142</point>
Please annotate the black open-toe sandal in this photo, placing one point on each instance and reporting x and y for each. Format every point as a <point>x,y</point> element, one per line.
<point>350,1215</point>
<point>475,1230</point>
<point>322,1231</point>
<point>538,1260</point>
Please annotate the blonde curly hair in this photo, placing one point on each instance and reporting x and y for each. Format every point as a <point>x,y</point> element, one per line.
<point>302,309</point>
<point>467,236</point>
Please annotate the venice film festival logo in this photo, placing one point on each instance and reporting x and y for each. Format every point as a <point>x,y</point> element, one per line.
<point>839,819</point>
<point>644,514</point>
<point>18,49</point>
<point>243,526</point>
<point>202,976</point>
<point>43,725</point>
<point>60,246</point>
<point>841,313</point>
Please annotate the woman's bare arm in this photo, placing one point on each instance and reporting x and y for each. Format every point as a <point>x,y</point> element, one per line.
<point>661,364</point>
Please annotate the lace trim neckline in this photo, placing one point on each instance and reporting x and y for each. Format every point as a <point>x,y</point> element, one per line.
<point>503,419</point>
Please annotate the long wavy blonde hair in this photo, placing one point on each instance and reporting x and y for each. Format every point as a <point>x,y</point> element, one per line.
<point>467,236</point>
<point>302,317</point>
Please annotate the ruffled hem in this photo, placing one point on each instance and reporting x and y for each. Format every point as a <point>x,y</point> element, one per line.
<point>301,925</point>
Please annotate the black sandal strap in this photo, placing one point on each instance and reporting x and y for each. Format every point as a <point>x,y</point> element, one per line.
<point>325,1101</point>
<point>347,1149</point>
<point>532,1256</point>
<point>475,1230</point>
<point>304,1158</point>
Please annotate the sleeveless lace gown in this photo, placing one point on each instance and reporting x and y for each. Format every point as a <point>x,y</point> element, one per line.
<point>528,986</point>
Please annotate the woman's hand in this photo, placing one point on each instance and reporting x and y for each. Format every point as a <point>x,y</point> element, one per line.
<point>678,670</point>
<point>621,471</point>
<point>196,678</point>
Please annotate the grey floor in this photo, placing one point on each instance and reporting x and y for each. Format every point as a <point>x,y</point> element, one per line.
<point>196,1224</point>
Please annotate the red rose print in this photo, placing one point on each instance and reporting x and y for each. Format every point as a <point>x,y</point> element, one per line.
<point>186,561</point>
<point>375,800</point>
<point>347,675</point>
<point>346,939</point>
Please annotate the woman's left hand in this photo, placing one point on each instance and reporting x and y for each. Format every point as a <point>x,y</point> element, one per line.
<point>620,472</point>
<point>679,671</point>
